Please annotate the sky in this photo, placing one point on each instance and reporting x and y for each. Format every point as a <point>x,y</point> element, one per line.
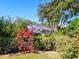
<point>22,8</point>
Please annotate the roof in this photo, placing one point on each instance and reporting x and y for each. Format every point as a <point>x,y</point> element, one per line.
<point>39,28</point>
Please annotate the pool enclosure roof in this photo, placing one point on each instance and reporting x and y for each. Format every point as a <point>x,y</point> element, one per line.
<point>39,28</point>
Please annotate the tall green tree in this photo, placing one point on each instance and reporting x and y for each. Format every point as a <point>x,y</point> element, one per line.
<point>51,12</point>
<point>20,23</point>
<point>8,27</point>
<point>1,25</point>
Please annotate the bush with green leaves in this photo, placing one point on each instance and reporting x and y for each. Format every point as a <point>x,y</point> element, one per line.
<point>72,51</point>
<point>68,47</point>
<point>68,40</point>
<point>7,45</point>
<point>45,42</point>
<point>72,29</point>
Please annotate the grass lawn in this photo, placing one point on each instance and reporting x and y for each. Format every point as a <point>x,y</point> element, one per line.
<point>42,55</point>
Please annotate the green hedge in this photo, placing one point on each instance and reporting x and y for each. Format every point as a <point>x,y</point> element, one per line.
<point>7,45</point>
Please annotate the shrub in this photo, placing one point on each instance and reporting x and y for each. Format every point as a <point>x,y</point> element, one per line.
<point>72,51</point>
<point>45,42</point>
<point>68,47</point>
<point>7,45</point>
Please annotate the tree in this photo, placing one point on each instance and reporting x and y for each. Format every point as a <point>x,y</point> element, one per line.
<point>1,25</point>
<point>20,23</point>
<point>52,11</point>
<point>8,27</point>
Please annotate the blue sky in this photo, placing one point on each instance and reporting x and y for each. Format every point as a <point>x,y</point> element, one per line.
<point>22,8</point>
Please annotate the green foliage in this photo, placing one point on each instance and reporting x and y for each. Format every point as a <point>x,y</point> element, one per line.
<point>7,45</point>
<point>38,43</point>
<point>72,50</point>
<point>1,25</point>
<point>51,12</point>
<point>45,42</point>
<point>8,33</point>
<point>67,46</point>
<point>20,23</point>
<point>72,29</point>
